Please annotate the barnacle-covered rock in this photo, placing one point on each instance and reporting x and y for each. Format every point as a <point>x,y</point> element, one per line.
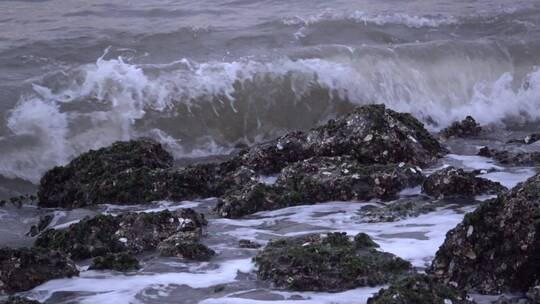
<point>23,269</point>
<point>495,249</point>
<point>466,128</point>
<point>329,263</point>
<point>452,181</point>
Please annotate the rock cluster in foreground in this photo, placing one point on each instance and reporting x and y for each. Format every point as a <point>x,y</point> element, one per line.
<point>329,263</point>
<point>23,269</point>
<point>134,232</point>
<point>496,248</point>
<point>418,289</point>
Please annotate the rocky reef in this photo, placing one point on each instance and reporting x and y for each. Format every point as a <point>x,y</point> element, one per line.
<point>496,248</point>
<point>23,269</point>
<point>512,158</point>
<point>327,263</point>
<point>417,289</point>
<point>135,232</point>
<point>452,181</point>
<point>141,170</point>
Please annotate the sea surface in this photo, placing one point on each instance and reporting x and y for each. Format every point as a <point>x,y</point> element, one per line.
<point>204,77</point>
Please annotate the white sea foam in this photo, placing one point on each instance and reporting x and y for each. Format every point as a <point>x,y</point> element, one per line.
<point>116,288</point>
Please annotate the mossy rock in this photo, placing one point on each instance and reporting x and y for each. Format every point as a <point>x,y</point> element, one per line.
<point>123,261</point>
<point>417,289</point>
<point>330,263</point>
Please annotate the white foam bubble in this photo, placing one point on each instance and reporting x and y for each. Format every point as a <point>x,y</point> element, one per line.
<point>103,287</point>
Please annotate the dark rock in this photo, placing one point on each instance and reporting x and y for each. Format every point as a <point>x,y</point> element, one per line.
<point>465,128</point>
<point>527,140</point>
<point>496,248</point>
<point>122,261</point>
<point>20,300</point>
<point>136,232</point>
<point>185,245</point>
<point>331,263</point>
<point>451,181</point>
<point>320,179</point>
<point>418,289</point>
<point>370,134</point>
<point>43,223</point>
<point>512,158</point>
<point>534,293</point>
<point>141,171</point>
<point>248,244</point>
<point>23,269</point>
<point>119,173</point>
<point>397,210</point>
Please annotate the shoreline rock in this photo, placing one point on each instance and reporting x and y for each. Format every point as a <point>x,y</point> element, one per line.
<point>135,232</point>
<point>141,171</point>
<point>511,158</point>
<point>23,269</point>
<point>468,127</point>
<point>331,263</point>
<point>122,262</point>
<point>451,182</point>
<point>495,249</point>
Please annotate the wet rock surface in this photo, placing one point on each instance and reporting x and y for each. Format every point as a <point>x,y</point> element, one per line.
<point>530,139</point>
<point>123,261</point>
<point>466,128</point>
<point>329,263</point>
<point>397,210</point>
<point>43,223</point>
<point>185,245</point>
<point>495,249</point>
<point>417,289</point>
<point>136,232</point>
<point>320,179</point>
<point>248,244</point>
<point>141,170</point>
<point>100,176</point>
<point>452,181</point>
<point>23,269</point>
<point>512,158</point>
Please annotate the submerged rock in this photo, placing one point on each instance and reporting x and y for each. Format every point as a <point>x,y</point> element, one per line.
<point>123,261</point>
<point>465,128</point>
<point>320,179</point>
<point>141,170</point>
<point>496,248</point>
<point>397,210</point>
<point>418,289</point>
<point>136,232</point>
<point>512,158</point>
<point>23,269</point>
<point>330,263</point>
<point>452,181</point>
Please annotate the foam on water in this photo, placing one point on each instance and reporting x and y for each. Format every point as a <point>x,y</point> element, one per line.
<point>117,288</point>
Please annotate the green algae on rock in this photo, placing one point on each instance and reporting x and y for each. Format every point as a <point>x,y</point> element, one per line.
<point>23,269</point>
<point>418,289</point>
<point>452,181</point>
<point>496,247</point>
<point>320,179</point>
<point>122,261</point>
<point>136,232</point>
<point>330,263</point>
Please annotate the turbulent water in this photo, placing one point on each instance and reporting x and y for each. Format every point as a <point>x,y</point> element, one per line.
<point>205,76</point>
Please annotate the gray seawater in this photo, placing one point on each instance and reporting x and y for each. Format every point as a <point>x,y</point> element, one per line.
<point>205,76</point>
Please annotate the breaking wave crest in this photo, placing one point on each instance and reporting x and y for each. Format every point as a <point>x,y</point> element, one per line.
<point>199,109</point>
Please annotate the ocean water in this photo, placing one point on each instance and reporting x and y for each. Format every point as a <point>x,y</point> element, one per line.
<point>204,76</point>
